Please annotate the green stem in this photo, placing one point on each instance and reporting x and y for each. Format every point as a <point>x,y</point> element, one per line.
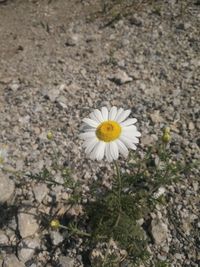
<point>75,231</point>
<point>119,181</point>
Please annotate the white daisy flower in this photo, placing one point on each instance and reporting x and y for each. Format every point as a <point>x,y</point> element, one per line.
<point>108,133</point>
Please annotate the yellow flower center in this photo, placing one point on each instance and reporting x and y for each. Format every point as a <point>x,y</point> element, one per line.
<point>55,224</point>
<point>108,131</point>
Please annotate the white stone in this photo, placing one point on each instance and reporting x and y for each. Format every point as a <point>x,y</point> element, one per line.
<point>3,238</point>
<point>7,188</point>
<point>121,77</point>
<point>178,256</point>
<point>66,261</point>
<point>159,192</point>
<point>28,247</point>
<point>56,237</point>
<point>159,231</point>
<point>73,39</point>
<point>27,223</point>
<point>12,261</point>
<point>14,86</point>
<point>40,191</point>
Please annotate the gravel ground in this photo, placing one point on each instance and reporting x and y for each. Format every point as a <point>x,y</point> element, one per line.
<point>59,60</point>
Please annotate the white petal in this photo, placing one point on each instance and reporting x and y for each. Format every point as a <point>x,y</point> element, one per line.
<point>112,113</point>
<point>88,141</point>
<point>122,148</point>
<point>130,129</point>
<point>123,115</point>
<point>98,115</point>
<point>137,134</point>
<point>125,140</point>
<point>114,150</point>
<point>107,152</point>
<point>128,122</point>
<point>119,112</point>
<point>86,128</point>
<point>90,122</point>
<point>93,117</point>
<point>104,112</point>
<point>132,137</point>
<point>133,146</point>
<point>87,135</point>
<point>128,142</point>
<point>91,145</point>
<point>95,151</point>
<point>132,133</point>
<point>101,151</point>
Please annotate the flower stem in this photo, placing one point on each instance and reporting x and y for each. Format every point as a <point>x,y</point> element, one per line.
<point>119,182</point>
<point>75,231</point>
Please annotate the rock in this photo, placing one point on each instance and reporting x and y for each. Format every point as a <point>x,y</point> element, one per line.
<point>162,257</point>
<point>3,238</point>
<point>120,78</point>
<point>198,142</point>
<point>140,221</point>
<point>56,237</point>
<point>62,102</point>
<point>191,126</point>
<point>147,140</point>
<point>72,40</point>
<point>7,188</point>
<point>159,231</point>
<point>195,185</point>
<point>178,256</point>
<point>14,86</point>
<point>27,248</point>
<point>27,223</point>
<point>180,26</point>
<point>40,191</point>
<point>156,117</point>
<point>186,226</point>
<point>159,192</point>
<point>135,21</point>
<point>52,94</point>
<point>66,261</point>
<point>12,261</point>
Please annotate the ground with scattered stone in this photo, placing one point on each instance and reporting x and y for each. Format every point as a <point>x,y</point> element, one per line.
<point>59,60</point>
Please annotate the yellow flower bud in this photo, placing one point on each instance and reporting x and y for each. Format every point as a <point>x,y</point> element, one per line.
<point>55,224</point>
<point>166,137</point>
<point>50,135</point>
<point>166,130</point>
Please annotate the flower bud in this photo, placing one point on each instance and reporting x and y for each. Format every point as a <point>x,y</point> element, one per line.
<point>166,130</point>
<point>50,135</point>
<point>55,224</point>
<point>166,137</point>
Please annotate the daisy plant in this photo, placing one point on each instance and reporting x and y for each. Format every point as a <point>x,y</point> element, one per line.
<point>107,134</point>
